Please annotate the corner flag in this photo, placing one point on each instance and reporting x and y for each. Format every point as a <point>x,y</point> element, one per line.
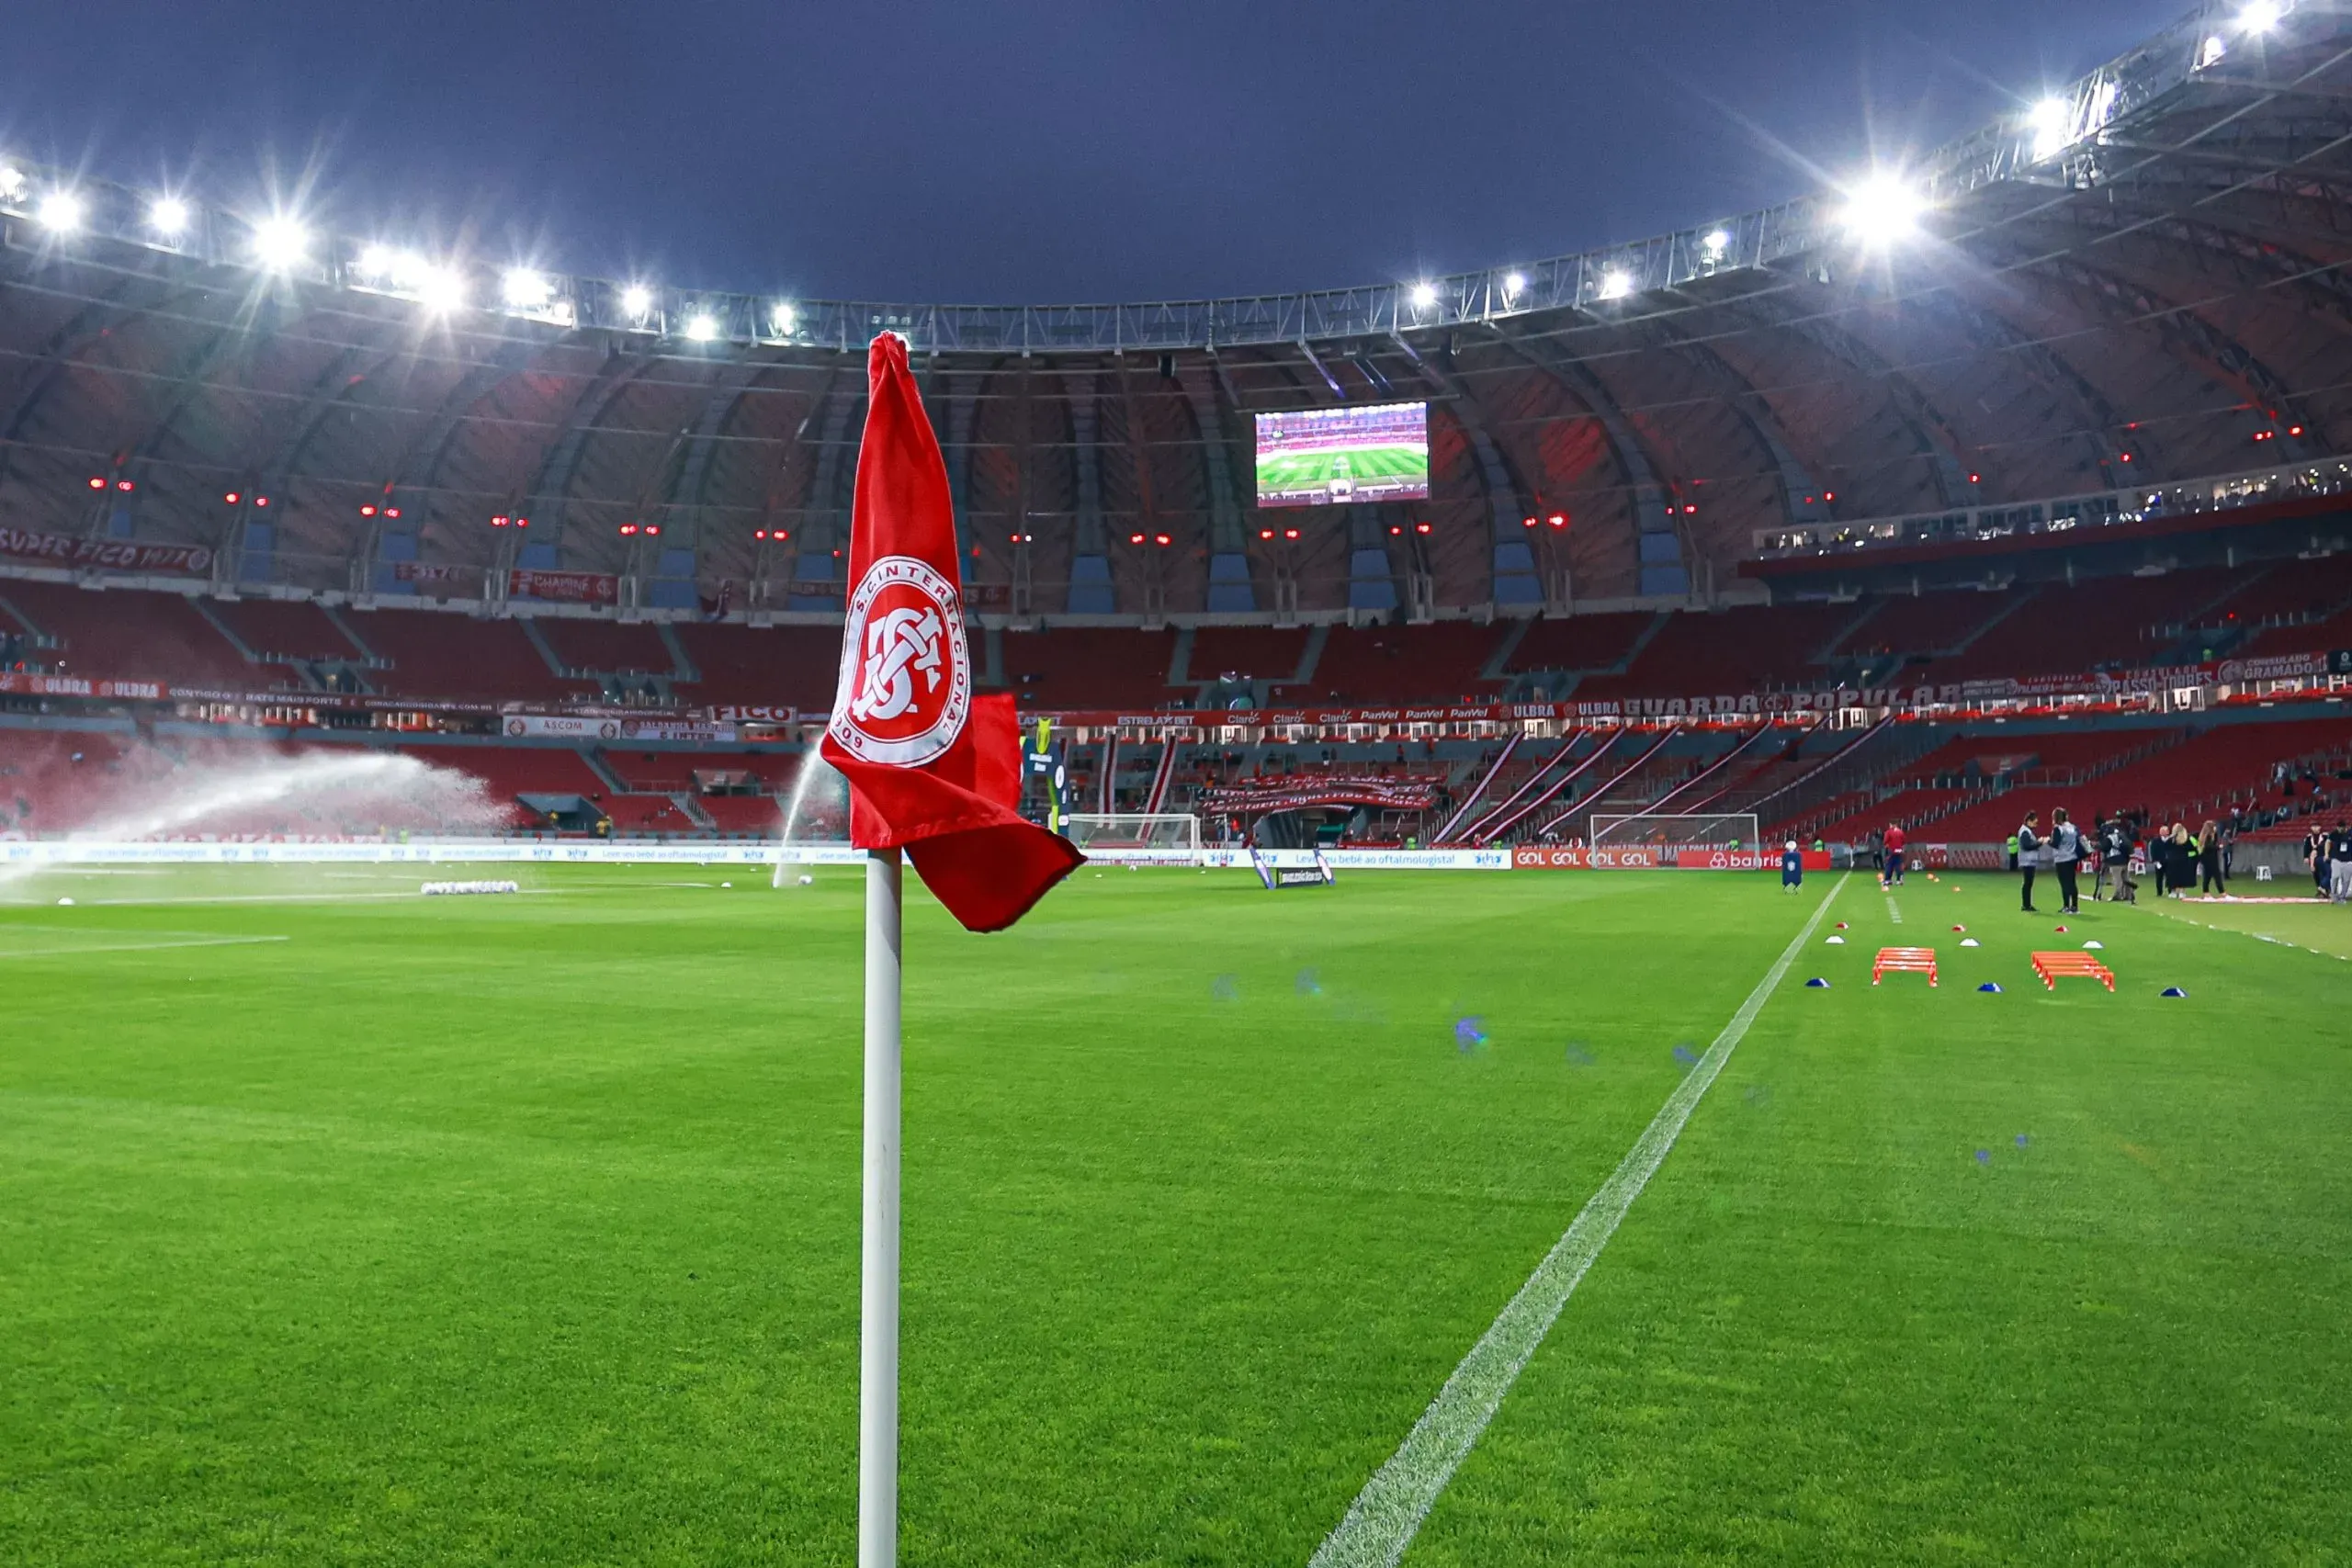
<point>931,767</point>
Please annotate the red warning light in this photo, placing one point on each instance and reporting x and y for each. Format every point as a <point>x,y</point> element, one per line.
<point>1135,539</point>
<point>231,497</point>
<point>392,512</point>
<point>1162,540</point>
<point>1559,520</point>
<point>367,512</point>
<point>654,529</point>
<point>499,521</point>
<point>627,528</point>
<point>261,501</point>
<point>96,483</point>
<point>1420,527</point>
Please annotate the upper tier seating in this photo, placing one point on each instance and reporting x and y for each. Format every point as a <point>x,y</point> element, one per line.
<point>1580,642</point>
<point>283,629</point>
<point>440,655</point>
<point>1921,626</point>
<point>1267,653</point>
<point>762,666</point>
<point>2102,622</point>
<point>1746,649</point>
<point>607,647</point>
<point>132,634</point>
<point>1091,667</point>
<point>1436,663</point>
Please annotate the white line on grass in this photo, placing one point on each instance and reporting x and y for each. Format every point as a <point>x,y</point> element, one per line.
<point>1893,910</point>
<point>141,946</point>
<point>1386,1515</point>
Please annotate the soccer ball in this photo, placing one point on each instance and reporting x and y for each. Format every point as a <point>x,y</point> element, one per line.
<point>808,881</point>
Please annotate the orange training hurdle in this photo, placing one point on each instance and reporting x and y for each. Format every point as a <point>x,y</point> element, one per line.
<point>1905,960</point>
<point>2052,965</point>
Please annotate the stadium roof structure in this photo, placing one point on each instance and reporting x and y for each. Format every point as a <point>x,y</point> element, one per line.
<point>2138,281</point>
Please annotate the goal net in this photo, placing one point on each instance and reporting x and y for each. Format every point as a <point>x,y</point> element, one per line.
<point>1139,838</point>
<point>1670,833</point>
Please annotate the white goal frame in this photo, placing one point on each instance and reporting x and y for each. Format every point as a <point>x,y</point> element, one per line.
<point>1676,830</point>
<point>1135,838</point>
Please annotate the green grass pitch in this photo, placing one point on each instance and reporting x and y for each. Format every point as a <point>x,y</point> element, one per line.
<point>523,1230</point>
<point>1281,472</point>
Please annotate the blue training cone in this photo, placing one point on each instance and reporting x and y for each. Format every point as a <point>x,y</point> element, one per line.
<point>2176,991</point>
<point>1989,986</point>
<point>1816,984</point>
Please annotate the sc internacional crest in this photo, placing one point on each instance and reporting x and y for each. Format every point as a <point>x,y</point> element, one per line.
<point>906,682</point>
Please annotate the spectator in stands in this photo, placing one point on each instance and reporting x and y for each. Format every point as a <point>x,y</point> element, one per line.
<point>2029,855</point>
<point>2339,869</point>
<point>1894,839</point>
<point>2208,859</point>
<point>2066,858</point>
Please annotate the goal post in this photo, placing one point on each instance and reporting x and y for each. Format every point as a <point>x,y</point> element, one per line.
<point>1137,838</point>
<point>1663,831</point>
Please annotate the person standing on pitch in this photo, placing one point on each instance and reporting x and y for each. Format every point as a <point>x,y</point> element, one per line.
<point>2208,859</point>
<point>1791,867</point>
<point>1892,875</point>
<point>2339,865</point>
<point>2066,858</point>
<point>2030,855</point>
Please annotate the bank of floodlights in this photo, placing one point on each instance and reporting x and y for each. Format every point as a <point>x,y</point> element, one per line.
<point>280,243</point>
<point>169,218</point>
<point>2051,121</point>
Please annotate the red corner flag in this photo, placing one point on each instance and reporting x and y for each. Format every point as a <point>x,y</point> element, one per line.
<point>931,767</point>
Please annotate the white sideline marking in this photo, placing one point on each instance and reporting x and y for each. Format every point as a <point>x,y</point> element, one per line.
<point>1386,1515</point>
<point>141,946</point>
<point>1893,910</point>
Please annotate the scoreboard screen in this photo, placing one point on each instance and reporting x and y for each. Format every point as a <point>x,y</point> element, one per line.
<point>1335,456</point>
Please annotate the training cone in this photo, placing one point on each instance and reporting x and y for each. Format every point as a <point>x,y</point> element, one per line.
<point>2176,991</point>
<point>2093,945</point>
<point>1816,984</point>
<point>1970,941</point>
<point>1960,928</point>
<point>1841,925</point>
<point>1835,941</point>
<point>2062,930</point>
<point>1989,986</point>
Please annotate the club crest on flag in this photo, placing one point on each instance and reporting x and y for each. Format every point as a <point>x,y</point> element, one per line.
<point>906,681</point>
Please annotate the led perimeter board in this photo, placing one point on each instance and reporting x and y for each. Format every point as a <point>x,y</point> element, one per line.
<point>1334,457</point>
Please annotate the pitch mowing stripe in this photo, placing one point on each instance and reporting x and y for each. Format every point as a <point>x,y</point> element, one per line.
<point>1386,1515</point>
<point>140,947</point>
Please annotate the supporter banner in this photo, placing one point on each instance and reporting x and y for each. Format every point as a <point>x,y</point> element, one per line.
<point>2279,667</point>
<point>568,587</point>
<point>590,726</point>
<point>750,712</point>
<point>76,686</point>
<point>419,571</point>
<point>1297,792</point>
<point>119,554</point>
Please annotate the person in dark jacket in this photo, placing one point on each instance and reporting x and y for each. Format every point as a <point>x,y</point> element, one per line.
<point>2029,855</point>
<point>2209,860</point>
<point>2066,860</point>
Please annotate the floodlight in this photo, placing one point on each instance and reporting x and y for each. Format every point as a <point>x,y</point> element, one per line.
<point>701,328</point>
<point>2260,17</point>
<point>439,288</point>
<point>1424,295</point>
<point>168,217</point>
<point>638,300</point>
<point>1716,243</point>
<point>1881,210</point>
<point>784,317</point>
<point>61,212</point>
<point>1616,282</point>
<point>2051,119</point>
<point>12,183</point>
<point>1514,283</point>
<point>278,242</point>
<point>527,290</point>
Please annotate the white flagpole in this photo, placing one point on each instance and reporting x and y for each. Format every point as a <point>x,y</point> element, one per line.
<point>877,1403</point>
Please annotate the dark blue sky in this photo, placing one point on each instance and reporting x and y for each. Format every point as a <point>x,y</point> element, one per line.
<point>1032,153</point>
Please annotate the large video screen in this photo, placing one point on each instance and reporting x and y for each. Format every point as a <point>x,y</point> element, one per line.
<point>1333,457</point>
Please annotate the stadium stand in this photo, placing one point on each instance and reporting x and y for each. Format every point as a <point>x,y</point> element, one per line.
<point>1750,647</point>
<point>1090,667</point>
<point>130,634</point>
<point>1264,653</point>
<point>1442,662</point>
<point>793,666</point>
<point>283,630</point>
<point>1582,644</point>
<point>605,646</point>
<point>435,654</point>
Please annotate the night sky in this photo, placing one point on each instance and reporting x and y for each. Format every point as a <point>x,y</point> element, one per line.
<point>1039,152</point>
